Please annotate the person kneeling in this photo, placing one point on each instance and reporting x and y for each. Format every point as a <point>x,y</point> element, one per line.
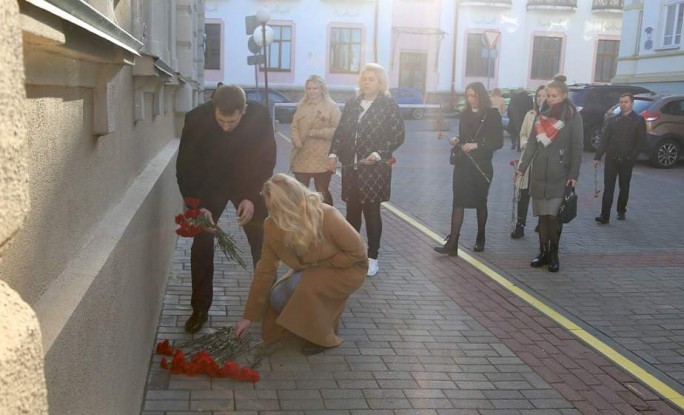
<point>328,262</point>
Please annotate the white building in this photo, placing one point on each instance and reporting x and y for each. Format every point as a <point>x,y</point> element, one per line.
<point>651,54</point>
<point>434,45</point>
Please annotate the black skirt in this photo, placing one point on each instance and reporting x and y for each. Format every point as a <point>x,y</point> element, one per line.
<point>469,185</point>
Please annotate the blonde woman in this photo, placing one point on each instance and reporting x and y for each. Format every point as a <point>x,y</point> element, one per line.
<point>313,126</point>
<point>327,254</point>
<point>371,128</point>
<point>555,149</point>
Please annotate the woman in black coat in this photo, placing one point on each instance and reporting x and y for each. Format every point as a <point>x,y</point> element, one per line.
<point>370,129</point>
<point>480,134</point>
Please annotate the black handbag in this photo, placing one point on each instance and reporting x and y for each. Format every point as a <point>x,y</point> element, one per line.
<point>455,153</point>
<point>568,208</point>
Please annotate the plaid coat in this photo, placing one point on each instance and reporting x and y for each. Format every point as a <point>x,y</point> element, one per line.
<point>381,130</point>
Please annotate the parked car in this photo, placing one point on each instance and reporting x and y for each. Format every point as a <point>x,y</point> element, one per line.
<point>409,96</point>
<point>593,101</point>
<point>282,114</point>
<point>664,115</point>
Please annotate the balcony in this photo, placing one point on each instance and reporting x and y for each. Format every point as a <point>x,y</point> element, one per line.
<point>489,3</point>
<point>608,5</point>
<point>552,4</point>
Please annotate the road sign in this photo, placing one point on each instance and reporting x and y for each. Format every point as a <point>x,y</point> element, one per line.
<point>252,45</point>
<point>250,24</point>
<point>255,60</point>
<point>491,37</point>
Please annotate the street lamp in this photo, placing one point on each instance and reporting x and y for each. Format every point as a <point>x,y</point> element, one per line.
<point>263,36</point>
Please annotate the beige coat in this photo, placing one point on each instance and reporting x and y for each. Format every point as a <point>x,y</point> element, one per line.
<point>525,132</point>
<point>332,271</point>
<point>313,126</point>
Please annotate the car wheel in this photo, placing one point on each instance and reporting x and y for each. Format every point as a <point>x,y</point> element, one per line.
<point>665,154</point>
<point>417,113</point>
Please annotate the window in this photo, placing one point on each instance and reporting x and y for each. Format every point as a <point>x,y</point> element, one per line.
<point>345,50</point>
<point>546,56</point>
<point>674,14</point>
<point>476,56</point>
<point>212,48</point>
<point>606,60</point>
<point>280,51</point>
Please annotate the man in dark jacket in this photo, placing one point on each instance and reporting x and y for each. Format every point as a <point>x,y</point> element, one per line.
<point>518,106</point>
<point>227,152</point>
<point>621,142</point>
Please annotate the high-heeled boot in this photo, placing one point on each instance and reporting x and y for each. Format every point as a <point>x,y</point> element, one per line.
<point>450,247</point>
<point>554,264</point>
<point>479,242</point>
<point>542,257</point>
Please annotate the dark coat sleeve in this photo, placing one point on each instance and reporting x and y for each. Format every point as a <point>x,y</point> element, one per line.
<point>395,131</point>
<point>639,137</point>
<point>257,165</point>
<point>492,131</point>
<point>343,132</point>
<point>188,163</point>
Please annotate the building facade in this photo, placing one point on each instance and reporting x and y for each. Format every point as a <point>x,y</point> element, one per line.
<point>437,46</point>
<point>651,53</point>
<point>95,102</point>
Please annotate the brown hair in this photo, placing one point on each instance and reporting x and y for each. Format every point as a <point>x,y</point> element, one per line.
<point>229,98</point>
<point>483,101</point>
<point>559,84</point>
<point>628,94</point>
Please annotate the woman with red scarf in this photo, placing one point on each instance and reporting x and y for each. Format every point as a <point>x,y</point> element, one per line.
<point>555,149</point>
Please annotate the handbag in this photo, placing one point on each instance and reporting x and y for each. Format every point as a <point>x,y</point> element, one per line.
<point>455,153</point>
<point>282,290</point>
<point>568,208</point>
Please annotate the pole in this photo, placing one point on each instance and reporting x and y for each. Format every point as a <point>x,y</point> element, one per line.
<point>256,77</point>
<point>264,45</point>
<point>489,65</point>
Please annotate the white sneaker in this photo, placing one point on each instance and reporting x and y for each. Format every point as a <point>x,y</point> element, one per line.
<point>372,267</point>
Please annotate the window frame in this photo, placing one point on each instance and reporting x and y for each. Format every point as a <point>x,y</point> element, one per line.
<point>482,60</point>
<point>219,57</point>
<point>677,24</point>
<point>599,58</point>
<point>278,42</point>
<point>559,64</point>
<point>333,48</point>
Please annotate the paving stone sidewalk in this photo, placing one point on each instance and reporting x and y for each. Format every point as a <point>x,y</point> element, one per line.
<point>428,335</point>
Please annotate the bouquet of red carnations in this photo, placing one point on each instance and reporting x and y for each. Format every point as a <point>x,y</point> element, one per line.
<point>214,354</point>
<point>193,222</point>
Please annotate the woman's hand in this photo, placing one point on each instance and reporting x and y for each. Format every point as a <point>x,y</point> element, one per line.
<point>242,326</point>
<point>571,182</point>
<point>332,164</point>
<point>296,142</point>
<point>518,174</point>
<point>454,140</point>
<point>468,147</point>
<point>371,159</point>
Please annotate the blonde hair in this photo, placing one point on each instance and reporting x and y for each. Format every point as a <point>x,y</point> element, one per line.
<point>379,71</point>
<point>296,210</point>
<point>321,84</point>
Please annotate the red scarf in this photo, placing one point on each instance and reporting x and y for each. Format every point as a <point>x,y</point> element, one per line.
<point>550,121</point>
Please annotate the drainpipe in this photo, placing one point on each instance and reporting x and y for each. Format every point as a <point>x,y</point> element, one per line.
<point>452,98</point>
<point>375,32</point>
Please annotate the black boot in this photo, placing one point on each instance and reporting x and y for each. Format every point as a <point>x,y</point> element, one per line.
<point>554,265</point>
<point>542,257</point>
<point>450,247</point>
<point>479,242</point>
<point>519,231</point>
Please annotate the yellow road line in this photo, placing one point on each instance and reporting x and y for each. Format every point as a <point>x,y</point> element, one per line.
<point>625,363</point>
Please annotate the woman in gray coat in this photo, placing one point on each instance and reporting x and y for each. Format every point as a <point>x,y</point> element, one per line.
<point>555,147</point>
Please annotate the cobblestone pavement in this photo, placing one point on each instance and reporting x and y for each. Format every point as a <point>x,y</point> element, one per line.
<point>433,335</point>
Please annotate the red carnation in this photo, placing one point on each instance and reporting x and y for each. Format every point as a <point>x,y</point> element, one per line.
<point>513,162</point>
<point>192,213</point>
<point>164,363</point>
<point>391,161</point>
<point>192,202</point>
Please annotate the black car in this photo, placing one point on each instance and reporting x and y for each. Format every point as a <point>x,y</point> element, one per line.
<point>282,113</point>
<point>664,115</point>
<point>593,101</point>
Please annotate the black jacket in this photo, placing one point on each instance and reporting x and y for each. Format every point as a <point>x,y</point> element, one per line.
<point>213,164</point>
<point>622,137</point>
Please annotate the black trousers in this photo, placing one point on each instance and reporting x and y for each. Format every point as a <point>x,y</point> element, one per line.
<point>321,182</point>
<point>621,170</point>
<point>202,252</point>
<point>371,212</point>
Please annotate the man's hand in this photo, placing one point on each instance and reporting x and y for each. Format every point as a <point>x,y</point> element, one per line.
<point>241,327</point>
<point>245,211</point>
<point>332,164</point>
<point>596,163</point>
<point>517,175</point>
<point>571,182</point>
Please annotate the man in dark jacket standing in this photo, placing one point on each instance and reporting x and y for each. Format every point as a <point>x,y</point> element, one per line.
<point>227,152</point>
<point>621,142</point>
<point>518,106</point>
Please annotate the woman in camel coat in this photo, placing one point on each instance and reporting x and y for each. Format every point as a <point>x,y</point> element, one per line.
<point>315,239</point>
